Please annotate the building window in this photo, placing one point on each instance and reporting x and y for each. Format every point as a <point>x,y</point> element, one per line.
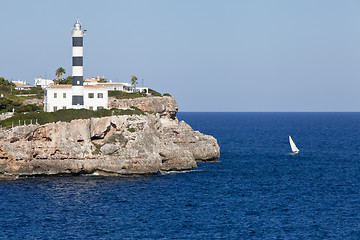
<point>64,95</point>
<point>99,108</point>
<point>55,109</point>
<point>64,107</point>
<point>55,95</point>
<point>91,95</point>
<point>100,95</point>
<point>91,108</point>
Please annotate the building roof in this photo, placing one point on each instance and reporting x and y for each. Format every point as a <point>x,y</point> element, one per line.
<point>107,84</point>
<point>69,86</point>
<point>60,86</point>
<point>91,80</point>
<point>21,84</point>
<point>94,86</point>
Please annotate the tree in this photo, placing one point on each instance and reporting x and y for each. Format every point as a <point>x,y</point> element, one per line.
<point>134,81</point>
<point>103,80</point>
<point>67,80</point>
<point>59,72</point>
<point>6,86</point>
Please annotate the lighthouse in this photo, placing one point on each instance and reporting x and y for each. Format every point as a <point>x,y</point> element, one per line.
<point>77,66</point>
<point>76,95</point>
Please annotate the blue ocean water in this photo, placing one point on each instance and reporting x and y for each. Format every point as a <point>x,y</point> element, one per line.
<point>257,190</point>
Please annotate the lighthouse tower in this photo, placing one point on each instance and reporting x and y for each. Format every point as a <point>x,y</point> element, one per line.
<point>77,66</point>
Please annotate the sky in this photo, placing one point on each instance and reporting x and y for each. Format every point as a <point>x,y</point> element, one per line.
<point>212,56</point>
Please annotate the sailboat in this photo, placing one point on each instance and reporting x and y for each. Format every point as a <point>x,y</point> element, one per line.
<point>293,146</point>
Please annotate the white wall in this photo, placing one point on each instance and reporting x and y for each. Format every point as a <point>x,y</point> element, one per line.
<point>60,101</point>
<point>141,89</point>
<point>95,102</point>
<point>43,83</point>
<point>112,87</point>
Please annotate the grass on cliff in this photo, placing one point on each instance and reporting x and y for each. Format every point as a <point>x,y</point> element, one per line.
<point>65,115</point>
<point>125,95</point>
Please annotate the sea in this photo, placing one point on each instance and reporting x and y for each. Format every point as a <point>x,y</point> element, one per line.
<point>256,190</point>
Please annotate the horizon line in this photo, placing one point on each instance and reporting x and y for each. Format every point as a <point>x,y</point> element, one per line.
<point>268,112</point>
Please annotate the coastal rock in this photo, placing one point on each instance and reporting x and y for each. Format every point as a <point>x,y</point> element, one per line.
<point>123,145</point>
<point>203,147</point>
<point>166,106</point>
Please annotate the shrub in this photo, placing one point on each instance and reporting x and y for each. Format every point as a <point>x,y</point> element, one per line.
<point>6,86</point>
<point>97,150</point>
<point>65,115</point>
<point>125,95</point>
<point>154,93</point>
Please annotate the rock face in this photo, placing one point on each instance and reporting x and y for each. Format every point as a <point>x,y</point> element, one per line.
<point>131,144</point>
<point>35,101</point>
<point>165,106</point>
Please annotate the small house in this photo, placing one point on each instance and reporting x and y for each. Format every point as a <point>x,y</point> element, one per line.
<point>21,85</point>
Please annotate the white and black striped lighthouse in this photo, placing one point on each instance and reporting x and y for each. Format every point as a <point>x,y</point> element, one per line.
<point>77,66</point>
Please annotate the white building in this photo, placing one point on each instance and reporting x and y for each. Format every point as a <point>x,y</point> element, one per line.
<point>60,97</point>
<point>114,86</point>
<point>124,87</point>
<point>43,83</point>
<point>21,85</point>
<point>142,89</point>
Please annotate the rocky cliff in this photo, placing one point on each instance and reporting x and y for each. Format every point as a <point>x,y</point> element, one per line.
<point>165,106</point>
<point>131,144</point>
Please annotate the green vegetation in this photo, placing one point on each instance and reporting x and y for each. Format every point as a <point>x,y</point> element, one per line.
<point>59,72</point>
<point>154,93</point>
<point>60,80</point>
<point>8,104</point>
<point>66,115</point>
<point>97,149</point>
<point>6,86</point>
<point>134,81</point>
<point>125,95</point>
<point>103,80</point>
<point>13,99</point>
<point>67,80</point>
<point>167,94</point>
<point>131,130</point>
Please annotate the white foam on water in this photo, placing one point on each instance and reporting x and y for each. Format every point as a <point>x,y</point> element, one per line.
<point>91,174</point>
<point>177,172</point>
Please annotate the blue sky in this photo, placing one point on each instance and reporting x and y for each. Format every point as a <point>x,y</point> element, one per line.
<point>226,55</point>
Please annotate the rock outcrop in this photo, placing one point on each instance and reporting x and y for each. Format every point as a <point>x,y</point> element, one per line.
<point>165,106</point>
<point>131,144</point>
<point>36,101</point>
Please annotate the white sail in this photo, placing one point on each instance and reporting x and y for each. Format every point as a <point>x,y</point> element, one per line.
<point>293,146</point>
